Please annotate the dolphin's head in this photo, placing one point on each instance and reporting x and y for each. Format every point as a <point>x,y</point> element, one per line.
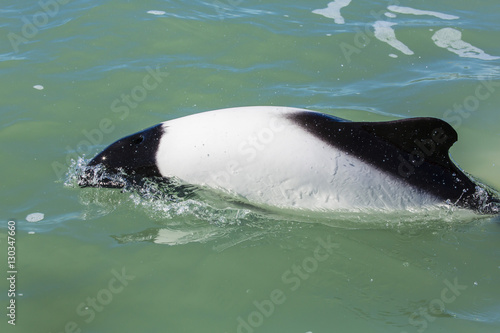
<point>129,159</point>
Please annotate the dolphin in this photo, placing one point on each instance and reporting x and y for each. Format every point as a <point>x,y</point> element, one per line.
<point>299,159</point>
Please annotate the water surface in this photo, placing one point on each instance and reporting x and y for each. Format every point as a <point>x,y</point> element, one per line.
<point>77,75</point>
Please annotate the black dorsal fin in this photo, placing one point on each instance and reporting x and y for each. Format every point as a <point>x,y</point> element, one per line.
<point>414,150</point>
<point>430,137</point>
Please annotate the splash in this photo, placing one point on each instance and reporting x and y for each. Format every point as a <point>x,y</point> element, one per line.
<point>486,205</point>
<point>160,200</point>
<point>195,214</point>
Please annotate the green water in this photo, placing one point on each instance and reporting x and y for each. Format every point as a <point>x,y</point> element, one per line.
<point>77,75</point>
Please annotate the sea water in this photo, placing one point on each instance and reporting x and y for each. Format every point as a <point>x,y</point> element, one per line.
<point>78,75</point>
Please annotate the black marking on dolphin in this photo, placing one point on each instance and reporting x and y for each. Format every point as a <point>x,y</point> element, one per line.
<point>414,150</point>
<point>132,156</point>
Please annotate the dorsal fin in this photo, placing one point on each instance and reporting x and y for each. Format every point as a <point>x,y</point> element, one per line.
<point>414,150</point>
<point>431,136</point>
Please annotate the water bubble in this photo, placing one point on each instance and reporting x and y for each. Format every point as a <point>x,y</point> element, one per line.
<point>156,12</point>
<point>35,217</point>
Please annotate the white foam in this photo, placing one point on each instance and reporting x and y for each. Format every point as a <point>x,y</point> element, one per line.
<point>156,12</point>
<point>408,10</point>
<point>35,217</point>
<point>451,39</point>
<point>333,10</point>
<point>391,15</point>
<point>38,87</point>
<point>386,34</point>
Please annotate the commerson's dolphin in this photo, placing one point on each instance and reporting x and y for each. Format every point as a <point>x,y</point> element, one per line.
<point>299,159</point>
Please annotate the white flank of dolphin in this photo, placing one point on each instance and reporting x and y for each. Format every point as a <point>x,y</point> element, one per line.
<point>258,154</point>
